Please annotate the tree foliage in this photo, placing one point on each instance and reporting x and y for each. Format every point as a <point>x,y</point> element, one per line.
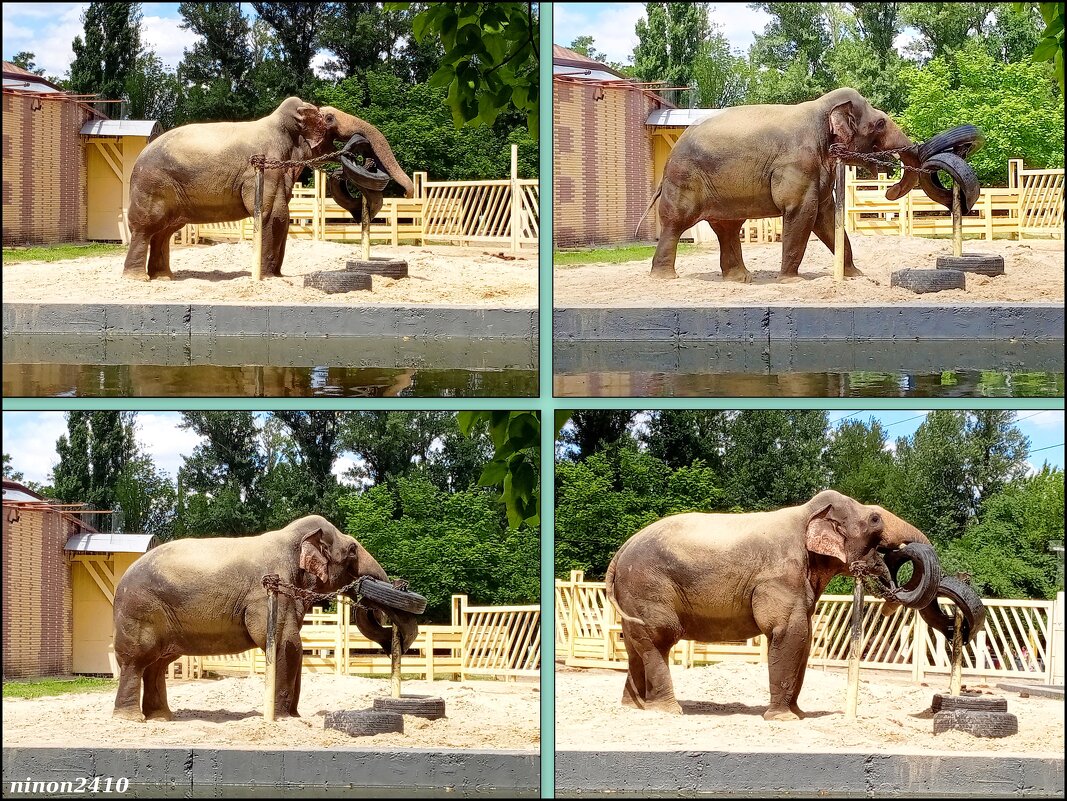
<point>669,40</point>
<point>92,455</point>
<point>107,55</point>
<point>10,472</point>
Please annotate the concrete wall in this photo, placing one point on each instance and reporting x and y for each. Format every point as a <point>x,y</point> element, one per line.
<point>36,594</point>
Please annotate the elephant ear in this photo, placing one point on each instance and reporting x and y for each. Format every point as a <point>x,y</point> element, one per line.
<point>312,558</point>
<point>313,126</point>
<point>824,535</point>
<point>843,123</point>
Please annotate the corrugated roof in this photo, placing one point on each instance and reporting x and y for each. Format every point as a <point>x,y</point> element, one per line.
<point>27,85</point>
<point>680,117</point>
<point>149,128</point>
<point>583,73</point>
<point>97,542</point>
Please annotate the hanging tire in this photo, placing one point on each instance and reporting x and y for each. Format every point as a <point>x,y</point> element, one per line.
<point>421,706</point>
<point>962,174</point>
<point>963,140</point>
<point>979,263</point>
<point>385,594</point>
<point>387,268</point>
<point>979,724</point>
<point>365,722</point>
<point>373,180</point>
<point>974,703</point>
<point>921,589</point>
<point>336,281</point>
<point>968,602</point>
<point>923,281</point>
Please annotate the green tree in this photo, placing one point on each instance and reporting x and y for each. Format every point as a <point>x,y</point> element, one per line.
<point>944,28</point>
<point>367,36</point>
<point>92,455</point>
<point>10,472</point>
<point>489,65</point>
<point>315,435</point>
<point>514,471</point>
<point>857,461</point>
<point>105,58</point>
<point>1050,46</point>
<point>669,40</point>
<point>791,56</point>
<point>152,93</point>
<point>878,25</point>
<point>146,498</point>
<point>723,78</point>
<point>997,452</point>
<point>593,430</point>
<point>388,445</point>
<point>1015,105</point>
<point>584,45</point>
<point>297,27</point>
<point>27,60</point>
<point>216,70</point>
<point>682,436</point>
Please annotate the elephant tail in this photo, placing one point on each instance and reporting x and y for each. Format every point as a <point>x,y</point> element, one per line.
<point>609,583</point>
<point>655,197</point>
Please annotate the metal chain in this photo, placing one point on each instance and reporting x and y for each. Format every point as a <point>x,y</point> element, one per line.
<point>273,583</point>
<point>883,158</point>
<point>261,162</point>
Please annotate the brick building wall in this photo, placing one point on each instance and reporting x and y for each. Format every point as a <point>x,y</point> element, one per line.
<point>44,183</point>
<point>603,164</point>
<point>37,619</point>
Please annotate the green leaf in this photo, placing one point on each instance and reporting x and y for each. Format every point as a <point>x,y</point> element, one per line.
<point>493,473</point>
<point>1046,50</point>
<point>467,420</point>
<point>443,77</point>
<point>562,416</point>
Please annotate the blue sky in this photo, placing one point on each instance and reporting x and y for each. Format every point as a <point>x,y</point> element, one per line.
<point>30,437</point>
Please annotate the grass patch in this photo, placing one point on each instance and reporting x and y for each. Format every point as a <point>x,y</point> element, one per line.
<point>612,255</point>
<point>60,252</point>
<point>38,688</point>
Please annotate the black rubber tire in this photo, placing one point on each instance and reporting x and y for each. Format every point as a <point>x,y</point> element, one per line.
<point>351,201</point>
<point>979,263</point>
<point>963,140</point>
<point>975,703</point>
<point>385,594</point>
<point>979,724</point>
<point>962,173</point>
<point>335,281</point>
<point>364,722</point>
<point>923,281</point>
<point>372,180</point>
<point>421,706</point>
<point>921,589</point>
<point>967,600</point>
<point>387,268</point>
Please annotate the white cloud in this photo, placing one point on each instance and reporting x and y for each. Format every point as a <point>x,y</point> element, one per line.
<point>30,439</point>
<point>1052,419</point>
<point>160,437</point>
<point>169,41</point>
<point>610,25</point>
<point>25,28</point>
<point>739,23</point>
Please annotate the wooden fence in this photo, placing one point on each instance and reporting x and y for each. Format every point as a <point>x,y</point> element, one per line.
<point>500,213</point>
<point>1016,641</point>
<point>493,641</point>
<point>1031,205</point>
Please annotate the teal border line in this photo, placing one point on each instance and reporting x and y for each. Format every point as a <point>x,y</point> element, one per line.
<point>548,426</point>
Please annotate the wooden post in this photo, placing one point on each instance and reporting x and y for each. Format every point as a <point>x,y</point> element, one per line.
<point>839,221</point>
<point>852,699</point>
<point>957,221</point>
<point>394,661</point>
<point>955,682</point>
<point>365,229</point>
<point>257,231</point>
<point>271,654</point>
<point>516,199</point>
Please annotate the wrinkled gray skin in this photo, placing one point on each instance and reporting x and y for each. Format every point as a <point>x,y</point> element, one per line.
<point>204,597</point>
<point>751,162</point>
<point>729,577</point>
<point>200,174</point>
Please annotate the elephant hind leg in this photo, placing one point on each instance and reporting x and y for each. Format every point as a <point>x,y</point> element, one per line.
<point>651,650</point>
<point>633,694</point>
<point>731,262</point>
<point>159,255</point>
<point>128,697</point>
<point>155,705</point>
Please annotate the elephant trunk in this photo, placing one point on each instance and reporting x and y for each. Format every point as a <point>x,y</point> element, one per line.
<point>909,179</point>
<point>350,125</point>
<point>367,565</point>
<point>897,532</point>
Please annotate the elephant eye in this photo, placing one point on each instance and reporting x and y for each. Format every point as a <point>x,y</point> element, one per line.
<point>880,125</point>
<point>329,118</point>
<point>876,519</point>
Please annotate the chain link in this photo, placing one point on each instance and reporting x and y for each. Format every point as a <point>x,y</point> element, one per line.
<point>273,583</point>
<point>261,162</point>
<point>883,158</point>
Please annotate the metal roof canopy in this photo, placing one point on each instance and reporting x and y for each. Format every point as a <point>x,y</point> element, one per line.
<point>148,128</point>
<point>680,117</point>
<point>96,542</point>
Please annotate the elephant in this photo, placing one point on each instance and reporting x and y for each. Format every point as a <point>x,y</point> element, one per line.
<point>729,577</point>
<point>750,162</point>
<point>206,596</point>
<point>200,173</point>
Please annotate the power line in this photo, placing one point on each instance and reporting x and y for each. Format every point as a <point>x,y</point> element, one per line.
<point>1047,447</point>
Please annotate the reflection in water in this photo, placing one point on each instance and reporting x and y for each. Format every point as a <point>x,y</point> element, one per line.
<point>859,384</point>
<point>201,380</point>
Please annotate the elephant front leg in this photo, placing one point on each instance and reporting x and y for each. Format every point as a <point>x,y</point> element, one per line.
<point>155,705</point>
<point>790,643</point>
<point>824,229</point>
<point>287,675</point>
<point>797,224</point>
<point>730,259</point>
<point>275,235</point>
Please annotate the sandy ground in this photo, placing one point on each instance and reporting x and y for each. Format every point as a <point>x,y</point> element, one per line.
<point>221,274</point>
<point>723,708</point>
<point>228,713</point>
<point>1033,272</point>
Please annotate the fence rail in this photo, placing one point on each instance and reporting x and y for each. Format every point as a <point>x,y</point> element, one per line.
<point>499,213</point>
<point>1031,205</point>
<point>493,641</point>
<point>1018,638</point>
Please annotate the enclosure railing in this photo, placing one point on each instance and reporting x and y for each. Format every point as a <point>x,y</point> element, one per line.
<point>499,213</point>
<point>1031,205</point>
<point>1017,640</point>
<point>492,641</point>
